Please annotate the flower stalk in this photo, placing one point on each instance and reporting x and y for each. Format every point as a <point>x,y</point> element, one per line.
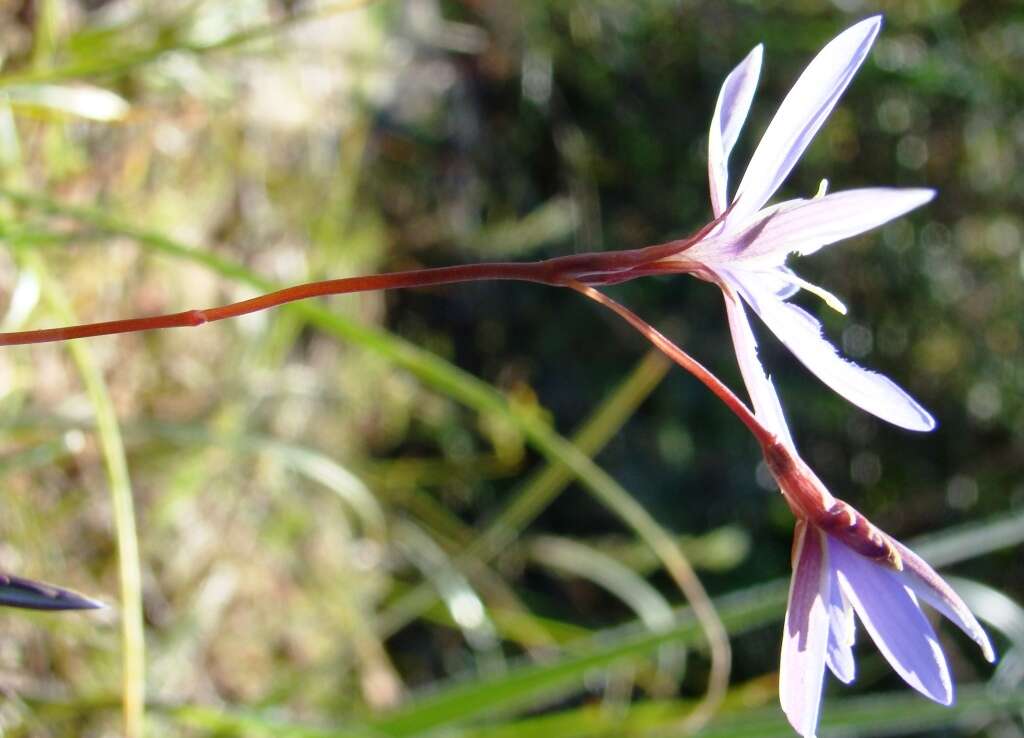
<point>590,268</point>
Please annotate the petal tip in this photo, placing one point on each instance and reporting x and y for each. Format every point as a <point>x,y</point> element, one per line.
<point>927,423</point>
<point>948,697</point>
<point>32,595</point>
<point>866,29</point>
<point>923,195</point>
<point>88,603</point>
<point>874,21</point>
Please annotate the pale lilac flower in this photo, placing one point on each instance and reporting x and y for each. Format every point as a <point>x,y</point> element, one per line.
<point>745,254</point>
<point>842,564</point>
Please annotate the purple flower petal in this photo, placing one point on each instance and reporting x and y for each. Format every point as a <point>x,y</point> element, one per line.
<point>875,393</point>
<point>801,114</point>
<point>806,227</point>
<point>891,615</point>
<point>933,589</point>
<point>762,392</point>
<point>841,633</point>
<point>27,593</point>
<point>804,639</point>
<point>730,114</point>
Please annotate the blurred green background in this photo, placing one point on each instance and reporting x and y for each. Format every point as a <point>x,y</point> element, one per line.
<point>361,516</point>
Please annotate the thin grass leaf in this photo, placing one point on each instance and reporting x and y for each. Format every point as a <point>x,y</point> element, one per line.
<point>465,606</point>
<point>347,486</point>
<point>116,464</point>
<point>877,715</point>
<point>971,540</point>
<point>720,549</point>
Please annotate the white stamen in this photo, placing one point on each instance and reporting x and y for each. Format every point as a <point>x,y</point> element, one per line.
<point>822,190</point>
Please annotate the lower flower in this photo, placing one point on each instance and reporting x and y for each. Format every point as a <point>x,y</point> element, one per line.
<point>832,581</point>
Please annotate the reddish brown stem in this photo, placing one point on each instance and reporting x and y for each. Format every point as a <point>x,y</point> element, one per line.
<point>599,268</point>
<point>530,272</point>
<point>683,359</point>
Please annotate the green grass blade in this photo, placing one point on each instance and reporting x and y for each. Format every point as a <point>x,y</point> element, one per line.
<point>895,713</point>
<point>482,697</point>
<point>879,715</point>
<point>129,569</point>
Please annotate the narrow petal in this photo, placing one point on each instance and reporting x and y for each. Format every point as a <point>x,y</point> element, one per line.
<point>804,639</point>
<point>26,593</point>
<point>762,392</point>
<point>730,114</point>
<point>875,393</point>
<point>841,633</point>
<point>801,114</point>
<point>807,227</point>
<point>933,589</point>
<point>894,620</point>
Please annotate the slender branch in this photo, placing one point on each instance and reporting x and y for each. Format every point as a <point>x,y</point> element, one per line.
<point>555,272</point>
<point>530,272</point>
<point>597,268</point>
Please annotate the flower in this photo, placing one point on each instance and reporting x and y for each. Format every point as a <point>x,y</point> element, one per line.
<point>32,595</point>
<point>843,564</point>
<point>745,253</point>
